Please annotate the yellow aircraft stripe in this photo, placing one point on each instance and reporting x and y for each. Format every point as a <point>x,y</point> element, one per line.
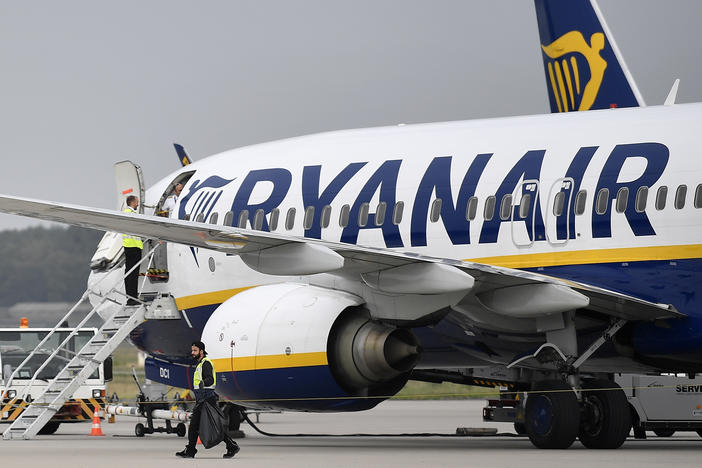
<point>553,87</point>
<point>271,361</point>
<point>215,297</point>
<point>569,83</point>
<point>561,86</point>
<point>576,74</point>
<point>580,257</point>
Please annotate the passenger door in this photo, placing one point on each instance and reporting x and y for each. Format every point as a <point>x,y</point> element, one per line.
<point>130,181</point>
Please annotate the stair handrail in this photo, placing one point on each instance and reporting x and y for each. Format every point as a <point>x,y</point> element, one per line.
<point>72,334</point>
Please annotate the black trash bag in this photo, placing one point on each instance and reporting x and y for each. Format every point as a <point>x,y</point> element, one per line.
<point>211,425</point>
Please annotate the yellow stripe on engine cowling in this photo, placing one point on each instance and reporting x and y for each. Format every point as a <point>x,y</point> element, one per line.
<point>581,257</point>
<point>271,361</point>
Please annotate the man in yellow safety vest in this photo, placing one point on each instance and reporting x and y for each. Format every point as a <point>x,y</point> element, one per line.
<point>132,255</point>
<point>204,381</point>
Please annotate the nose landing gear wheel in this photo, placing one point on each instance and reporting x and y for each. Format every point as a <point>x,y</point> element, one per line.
<point>606,419</point>
<point>552,415</point>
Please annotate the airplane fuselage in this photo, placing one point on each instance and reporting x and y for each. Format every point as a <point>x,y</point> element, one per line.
<point>607,198</point>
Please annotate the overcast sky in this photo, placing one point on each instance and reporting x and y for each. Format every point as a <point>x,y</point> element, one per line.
<point>85,84</point>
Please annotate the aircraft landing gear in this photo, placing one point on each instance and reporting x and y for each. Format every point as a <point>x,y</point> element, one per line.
<point>552,416</point>
<point>605,418</point>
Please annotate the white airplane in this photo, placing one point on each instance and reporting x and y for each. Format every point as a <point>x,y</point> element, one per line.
<point>542,253</point>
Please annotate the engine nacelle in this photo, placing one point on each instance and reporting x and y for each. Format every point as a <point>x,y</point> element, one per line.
<point>296,346</point>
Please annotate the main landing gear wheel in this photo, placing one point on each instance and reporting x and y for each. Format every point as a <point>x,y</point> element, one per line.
<point>139,430</point>
<point>606,419</point>
<point>180,430</point>
<point>552,415</point>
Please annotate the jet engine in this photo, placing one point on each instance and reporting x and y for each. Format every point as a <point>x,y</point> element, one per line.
<point>302,347</point>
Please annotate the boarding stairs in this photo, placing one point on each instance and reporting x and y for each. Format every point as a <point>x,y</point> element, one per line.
<point>83,362</point>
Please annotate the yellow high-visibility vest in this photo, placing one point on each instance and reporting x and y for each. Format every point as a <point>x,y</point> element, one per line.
<point>131,241</point>
<point>197,377</point>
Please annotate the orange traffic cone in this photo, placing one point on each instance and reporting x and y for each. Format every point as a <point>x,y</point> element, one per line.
<point>199,442</point>
<point>97,430</point>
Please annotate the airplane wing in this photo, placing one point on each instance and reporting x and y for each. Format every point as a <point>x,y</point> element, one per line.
<point>510,292</point>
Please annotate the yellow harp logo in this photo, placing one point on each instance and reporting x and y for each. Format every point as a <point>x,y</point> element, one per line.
<point>565,76</point>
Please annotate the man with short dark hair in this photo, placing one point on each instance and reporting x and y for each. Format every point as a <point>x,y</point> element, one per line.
<point>204,381</point>
<point>170,203</point>
<point>132,246</point>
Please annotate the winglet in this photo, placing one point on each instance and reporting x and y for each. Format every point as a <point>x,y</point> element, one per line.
<point>183,157</point>
<point>673,94</point>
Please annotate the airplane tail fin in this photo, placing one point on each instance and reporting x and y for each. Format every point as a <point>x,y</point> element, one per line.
<point>183,157</point>
<point>584,68</point>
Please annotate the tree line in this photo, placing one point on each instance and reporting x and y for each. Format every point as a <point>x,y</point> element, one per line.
<point>41,264</point>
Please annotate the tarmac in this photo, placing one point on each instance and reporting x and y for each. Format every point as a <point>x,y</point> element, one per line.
<point>72,447</point>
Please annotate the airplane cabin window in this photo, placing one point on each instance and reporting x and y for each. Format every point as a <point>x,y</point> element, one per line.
<point>397,213</point>
<point>661,196</point>
<point>200,218</point>
<point>363,214</point>
<point>524,205</point>
<point>622,199</point>
<point>558,203</point>
<point>435,211</point>
<point>641,198</point>
<point>698,196</point>
<point>344,216</point>
<point>213,218</point>
<point>506,207</point>
<point>309,217</point>
<point>326,216</point>
<point>489,211</point>
<point>273,221</point>
<point>228,218</point>
<point>243,219</point>
<point>680,195</point>
<point>471,208</point>
<point>580,200</point>
<point>602,201</point>
<point>290,219</point>
<point>380,213</point>
<point>258,219</point>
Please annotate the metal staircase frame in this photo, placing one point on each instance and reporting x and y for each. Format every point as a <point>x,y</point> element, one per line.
<point>84,362</point>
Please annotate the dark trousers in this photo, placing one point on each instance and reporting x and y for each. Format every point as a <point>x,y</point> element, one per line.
<point>131,281</point>
<point>194,429</point>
